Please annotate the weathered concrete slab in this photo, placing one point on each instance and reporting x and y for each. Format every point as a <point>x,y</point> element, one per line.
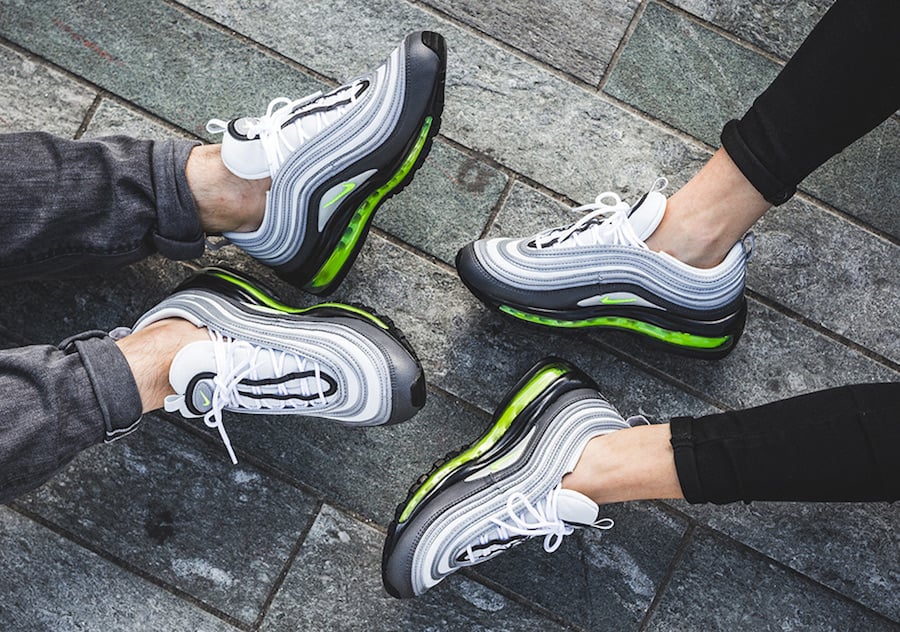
<point>335,584</point>
<point>597,580</point>
<point>38,98</point>
<point>174,507</point>
<point>777,27</point>
<point>50,584</point>
<point>112,118</point>
<point>718,586</point>
<point>578,38</point>
<point>851,548</point>
<point>156,56</point>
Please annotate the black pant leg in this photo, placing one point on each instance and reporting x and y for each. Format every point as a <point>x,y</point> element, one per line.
<point>840,444</point>
<point>842,82</point>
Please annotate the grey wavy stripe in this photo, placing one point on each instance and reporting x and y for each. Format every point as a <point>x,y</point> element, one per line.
<point>352,137</point>
<point>513,262</point>
<point>342,351</point>
<point>567,435</point>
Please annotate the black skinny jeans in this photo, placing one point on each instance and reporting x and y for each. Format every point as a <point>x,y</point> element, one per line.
<point>841,83</point>
<point>841,444</point>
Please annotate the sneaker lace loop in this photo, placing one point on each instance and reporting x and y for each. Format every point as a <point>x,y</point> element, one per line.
<point>307,117</point>
<point>237,361</point>
<point>605,222</point>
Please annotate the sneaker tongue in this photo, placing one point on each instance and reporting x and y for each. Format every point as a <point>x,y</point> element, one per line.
<point>191,375</point>
<point>646,216</point>
<point>575,508</point>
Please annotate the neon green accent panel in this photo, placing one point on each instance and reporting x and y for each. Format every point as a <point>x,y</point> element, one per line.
<point>360,219</point>
<point>270,301</point>
<point>677,338</point>
<point>606,300</point>
<point>527,394</point>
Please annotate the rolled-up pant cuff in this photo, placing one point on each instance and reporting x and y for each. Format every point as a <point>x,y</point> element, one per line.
<point>178,233</point>
<point>110,375</point>
<point>770,187</point>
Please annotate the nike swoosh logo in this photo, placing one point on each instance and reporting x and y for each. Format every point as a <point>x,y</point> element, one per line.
<point>606,300</point>
<point>206,401</point>
<point>348,186</point>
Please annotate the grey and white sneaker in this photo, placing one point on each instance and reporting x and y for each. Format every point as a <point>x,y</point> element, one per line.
<point>332,360</point>
<point>505,487</point>
<point>599,272</point>
<point>334,159</point>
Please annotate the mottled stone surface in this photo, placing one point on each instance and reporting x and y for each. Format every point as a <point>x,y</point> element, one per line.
<point>190,74</point>
<point>851,548</point>
<point>774,25</point>
<point>38,98</point>
<point>599,580</point>
<point>176,508</point>
<point>687,75</point>
<point>576,37</point>
<point>112,118</point>
<point>719,587</point>
<point>447,204</point>
<point>335,583</point>
<point>50,584</point>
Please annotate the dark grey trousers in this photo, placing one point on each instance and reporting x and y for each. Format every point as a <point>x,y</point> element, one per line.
<point>76,207</point>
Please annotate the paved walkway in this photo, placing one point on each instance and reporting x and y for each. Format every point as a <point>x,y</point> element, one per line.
<point>545,109</point>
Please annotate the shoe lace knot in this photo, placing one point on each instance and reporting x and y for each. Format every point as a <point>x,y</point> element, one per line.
<point>522,520</point>
<point>253,377</point>
<point>605,222</point>
<point>289,124</point>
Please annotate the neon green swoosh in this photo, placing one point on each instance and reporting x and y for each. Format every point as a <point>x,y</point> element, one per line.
<point>348,186</point>
<point>606,300</point>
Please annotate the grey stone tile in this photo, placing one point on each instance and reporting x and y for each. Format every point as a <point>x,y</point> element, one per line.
<point>114,118</point>
<point>862,180</point>
<point>335,584</point>
<point>718,586</point>
<point>687,75</point>
<point>50,584</point>
<point>851,548</point>
<point>530,120</point>
<point>576,37</point>
<point>775,26</point>
<point>834,273</point>
<point>447,204</point>
<point>597,580</point>
<point>777,357</point>
<point>38,98</point>
<point>365,469</point>
<point>156,56</point>
<point>177,509</point>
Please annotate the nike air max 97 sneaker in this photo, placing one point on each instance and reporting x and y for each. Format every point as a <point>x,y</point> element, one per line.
<point>505,487</point>
<point>599,273</point>
<point>334,361</point>
<point>334,159</point>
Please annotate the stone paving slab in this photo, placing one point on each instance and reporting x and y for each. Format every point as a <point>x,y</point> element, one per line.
<point>37,97</point>
<point>335,584</point>
<point>719,587</point>
<point>50,584</point>
<point>667,45</point>
<point>576,37</point>
<point>174,507</point>
<point>851,548</point>
<point>597,580</point>
<point>119,47</point>
<point>777,27</point>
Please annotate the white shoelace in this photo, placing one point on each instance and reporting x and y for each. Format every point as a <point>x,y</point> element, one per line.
<point>530,520</point>
<point>230,372</point>
<point>603,223</point>
<point>276,140</point>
